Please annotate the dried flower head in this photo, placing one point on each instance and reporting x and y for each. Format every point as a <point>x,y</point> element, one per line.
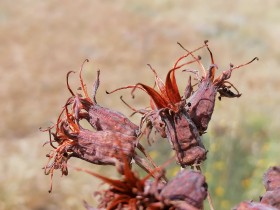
<point>188,186</point>
<point>169,115</point>
<point>100,118</point>
<point>100,147</point>
<point>202,102</point>
<point>186,191</point>
<point>114,134</point>
<point>130,192</point>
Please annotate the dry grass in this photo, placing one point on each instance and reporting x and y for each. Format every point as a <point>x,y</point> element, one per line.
<point>42,40</point>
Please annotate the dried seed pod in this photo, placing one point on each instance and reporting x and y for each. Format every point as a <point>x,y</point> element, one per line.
<point>100,118</point>
<point>130,192</point>
<point>184,137</point>
<point>188,186</point>
<point>272,198</point>
<point>247,205</point>
<point>101,147</point>
<point>271,182</point>
<point>202,101</point>
<point>186,191</point>
<point>271,178</point>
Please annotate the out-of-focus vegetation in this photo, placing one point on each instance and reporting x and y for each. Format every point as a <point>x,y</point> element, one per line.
<point>42,40</point>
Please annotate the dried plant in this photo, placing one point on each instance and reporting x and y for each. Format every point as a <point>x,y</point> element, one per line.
<point>114,134</point>
<point>169,116</point>
<point>187,189</point>
<point>99,147</point>
<point>271,181</point>
<point>247,205</point>
<point>182,119</point>
<point>114,140</point>
<point>202,101</point>
<point>100,118</point>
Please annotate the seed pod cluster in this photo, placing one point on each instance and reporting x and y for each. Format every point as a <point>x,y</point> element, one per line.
<point>183,119</point>
<point>113,139</point>
<point>187,190</point>
<point>113,136</point>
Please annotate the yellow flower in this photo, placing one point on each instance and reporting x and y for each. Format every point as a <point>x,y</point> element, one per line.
<point>246,183</point>
<point>219,191</point>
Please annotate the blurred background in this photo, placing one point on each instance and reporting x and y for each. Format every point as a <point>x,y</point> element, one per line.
<point>42,40</point>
